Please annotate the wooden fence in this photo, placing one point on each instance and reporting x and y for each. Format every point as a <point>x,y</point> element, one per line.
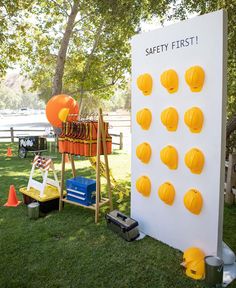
<point>230,182</point>
<point>118,120</point>
<point>13,133</point>
<point>230,175</point>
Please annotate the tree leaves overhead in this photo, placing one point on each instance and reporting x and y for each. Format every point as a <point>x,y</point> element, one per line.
<point>99,49</point>
<point>205,6</point>
<point>98,55</point>
<point>12,26</point>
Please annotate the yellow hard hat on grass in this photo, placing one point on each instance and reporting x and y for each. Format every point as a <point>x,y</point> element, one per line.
<point>193,263</point>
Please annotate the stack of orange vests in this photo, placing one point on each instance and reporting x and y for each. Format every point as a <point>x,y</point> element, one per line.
<point>80,138</point>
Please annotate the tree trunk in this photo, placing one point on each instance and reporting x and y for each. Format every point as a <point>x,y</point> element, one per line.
<point>231,126</point>
<point>61,57</point>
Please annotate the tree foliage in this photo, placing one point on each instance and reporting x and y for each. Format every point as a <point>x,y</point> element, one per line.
<point>99,50</point>
<point>9,99</point>
<point>98,54</point>
<point>12,28</point>
<point>15,94</point>
<point>205,6</point>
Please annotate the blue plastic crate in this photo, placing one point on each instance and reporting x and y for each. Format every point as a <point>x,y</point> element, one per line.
<point>81,190</point>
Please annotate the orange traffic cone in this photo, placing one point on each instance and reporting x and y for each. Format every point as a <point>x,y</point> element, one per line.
<point>67,160</point>
<point>9,152</point>
<point>12,198</point>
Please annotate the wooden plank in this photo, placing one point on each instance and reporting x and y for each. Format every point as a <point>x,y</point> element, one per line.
<point>120,126</point>
<point>73,165</point>
<point>26,130</point>
<point>115,135</point>
<point>121,140</point>
<point>106,160</point>
<point>118,120</point>
<point>12,134</point>
<point>92,207</point>
<point>103,201</point>
<point>78,204</point>
<point>231,179</point>
<point>98,185</point>
<point>62,180</point>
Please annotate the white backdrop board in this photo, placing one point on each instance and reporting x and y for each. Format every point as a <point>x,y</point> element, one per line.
<point>202,44</point>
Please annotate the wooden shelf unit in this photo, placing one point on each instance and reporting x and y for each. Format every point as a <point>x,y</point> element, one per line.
<point>100,201</point>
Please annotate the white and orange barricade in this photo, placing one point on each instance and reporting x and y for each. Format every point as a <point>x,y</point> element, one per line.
<point>44,164</point>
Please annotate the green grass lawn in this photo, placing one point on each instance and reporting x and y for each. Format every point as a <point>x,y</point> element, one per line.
<point>68,250</point>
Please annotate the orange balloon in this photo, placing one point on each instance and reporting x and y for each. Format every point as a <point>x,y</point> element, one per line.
<point>58,102</point>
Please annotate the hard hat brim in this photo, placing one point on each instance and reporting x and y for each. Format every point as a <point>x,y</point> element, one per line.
<point>195,130</point>
<point>173,90</point>
<point>194,276</point>
<point>196,89</point>
<point>147,93</point>
<point>171,128</point>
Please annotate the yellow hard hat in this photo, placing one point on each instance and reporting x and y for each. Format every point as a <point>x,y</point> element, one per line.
<point>166,193</point>
<point>144,83</point>
<point>194,119</point>
<point>170,80</point>
<point>144,152</point>
<point>195,77</point>
<point>193,262</point>
<point>194,160</point>
<point>193,201</point>
<point>144,118</point>
<point>143,185</point>
<point>170,118</point>
<point>169,156</point>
